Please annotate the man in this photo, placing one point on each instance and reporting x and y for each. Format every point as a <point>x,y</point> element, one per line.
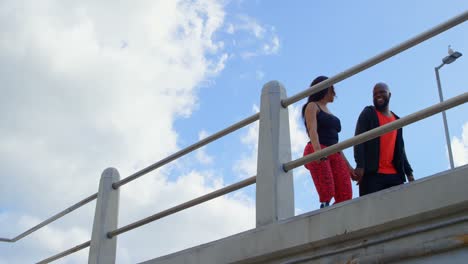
<point>380,162</point>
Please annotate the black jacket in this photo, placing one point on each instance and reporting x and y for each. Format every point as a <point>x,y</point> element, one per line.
<point>366,154</point>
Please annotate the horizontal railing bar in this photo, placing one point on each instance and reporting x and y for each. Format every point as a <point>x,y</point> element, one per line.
<point>378,58</point>
<point>376,132</point>
<point>51,219</point>
<point>180,153</point>
<point>180,207</point>
<point>187,150</point>
<point>66,253</point>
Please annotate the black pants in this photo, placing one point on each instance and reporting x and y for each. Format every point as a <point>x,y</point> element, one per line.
<point>374,182</point>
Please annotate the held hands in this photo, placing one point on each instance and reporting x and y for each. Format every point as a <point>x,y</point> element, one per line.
<point>352,173</point>
<point>359,173</point>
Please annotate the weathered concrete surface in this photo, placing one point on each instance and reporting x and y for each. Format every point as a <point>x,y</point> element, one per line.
<point>405,224</point>
<point>103,249</point>
<point>275,188</point>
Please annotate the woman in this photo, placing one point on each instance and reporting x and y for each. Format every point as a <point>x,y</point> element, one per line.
<point>332,174</point>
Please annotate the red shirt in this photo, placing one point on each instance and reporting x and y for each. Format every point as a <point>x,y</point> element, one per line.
<point>387,146</point>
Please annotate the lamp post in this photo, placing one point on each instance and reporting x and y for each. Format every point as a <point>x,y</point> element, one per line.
<point>447,60</point>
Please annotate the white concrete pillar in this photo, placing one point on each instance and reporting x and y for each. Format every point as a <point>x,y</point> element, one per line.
<point>103,249</point>
<point>275,190</point>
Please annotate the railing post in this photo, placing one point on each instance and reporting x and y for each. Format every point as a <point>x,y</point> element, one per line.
<point>275,190</point>
<point>102,248</point>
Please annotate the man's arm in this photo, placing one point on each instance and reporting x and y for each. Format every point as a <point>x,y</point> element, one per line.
<point>407,166</point>
<point>362,126</point>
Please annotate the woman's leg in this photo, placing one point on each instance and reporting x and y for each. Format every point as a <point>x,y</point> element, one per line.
<point>321,175</point>
<point>342,178</point>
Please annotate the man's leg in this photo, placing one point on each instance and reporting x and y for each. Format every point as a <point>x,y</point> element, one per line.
<point>392,180</point>
<point>372,182</point>
<point>362,186</point>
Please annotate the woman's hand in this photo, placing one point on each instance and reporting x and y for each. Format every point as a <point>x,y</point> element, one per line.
<point>320,160</point>
<point>352,173</point>
<point>359,172</point>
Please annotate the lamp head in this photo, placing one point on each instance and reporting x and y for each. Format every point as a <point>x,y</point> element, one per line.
<point>452,57</point>
<point>456,54</point>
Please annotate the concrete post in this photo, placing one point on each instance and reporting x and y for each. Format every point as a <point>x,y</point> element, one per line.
<point>103,249</point>
<point>275,190</point>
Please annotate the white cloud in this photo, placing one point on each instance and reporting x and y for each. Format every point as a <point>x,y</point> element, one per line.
<point>43,243</point>
<point>298,133</point>
<point>215,219</point>
<point>268,48</point>
<point>460,147</point>
<point>263,34</point>
<point>246,166</point>
<point>75,102</point>
<point>251,25</point>
<point>60,239</point>
<point>247,24</point>
<point>230,29</point>
<point>272,47</point>
<point>219,65</point>
<point>72,93</point>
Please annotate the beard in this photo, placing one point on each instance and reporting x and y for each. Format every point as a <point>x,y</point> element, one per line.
<point>382,106</point>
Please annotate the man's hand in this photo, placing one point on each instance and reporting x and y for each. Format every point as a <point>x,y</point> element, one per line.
<point>410,177</point>
<point>352,173</point>
<point>358,174</point>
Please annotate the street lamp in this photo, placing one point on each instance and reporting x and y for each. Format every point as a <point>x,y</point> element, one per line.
<point>453,56</point>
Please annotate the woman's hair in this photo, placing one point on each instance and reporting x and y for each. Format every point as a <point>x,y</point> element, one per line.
<point>316,96</point>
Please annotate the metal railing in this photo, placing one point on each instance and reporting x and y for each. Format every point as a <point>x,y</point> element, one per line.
<point>188,149</point>
<point>378,58</point>
<point>51,219</point>
<point>140,173</point>
<point>186,205</point>
<point>376,132</point>
<point>66,252</point>
<point>263,117</point>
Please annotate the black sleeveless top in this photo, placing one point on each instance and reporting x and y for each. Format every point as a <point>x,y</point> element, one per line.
<point>328,127</point>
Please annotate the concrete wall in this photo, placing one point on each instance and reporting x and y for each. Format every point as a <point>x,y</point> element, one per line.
<point>403,224</point>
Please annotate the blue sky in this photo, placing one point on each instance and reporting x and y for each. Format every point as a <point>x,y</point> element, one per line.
<point>87,85</point>
<point>327,37</point>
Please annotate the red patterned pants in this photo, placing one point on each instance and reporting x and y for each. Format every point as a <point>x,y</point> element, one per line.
<point>331,177</point>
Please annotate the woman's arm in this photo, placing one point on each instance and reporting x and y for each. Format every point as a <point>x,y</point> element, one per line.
<point>311,120</point>
<point>350,168</point>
